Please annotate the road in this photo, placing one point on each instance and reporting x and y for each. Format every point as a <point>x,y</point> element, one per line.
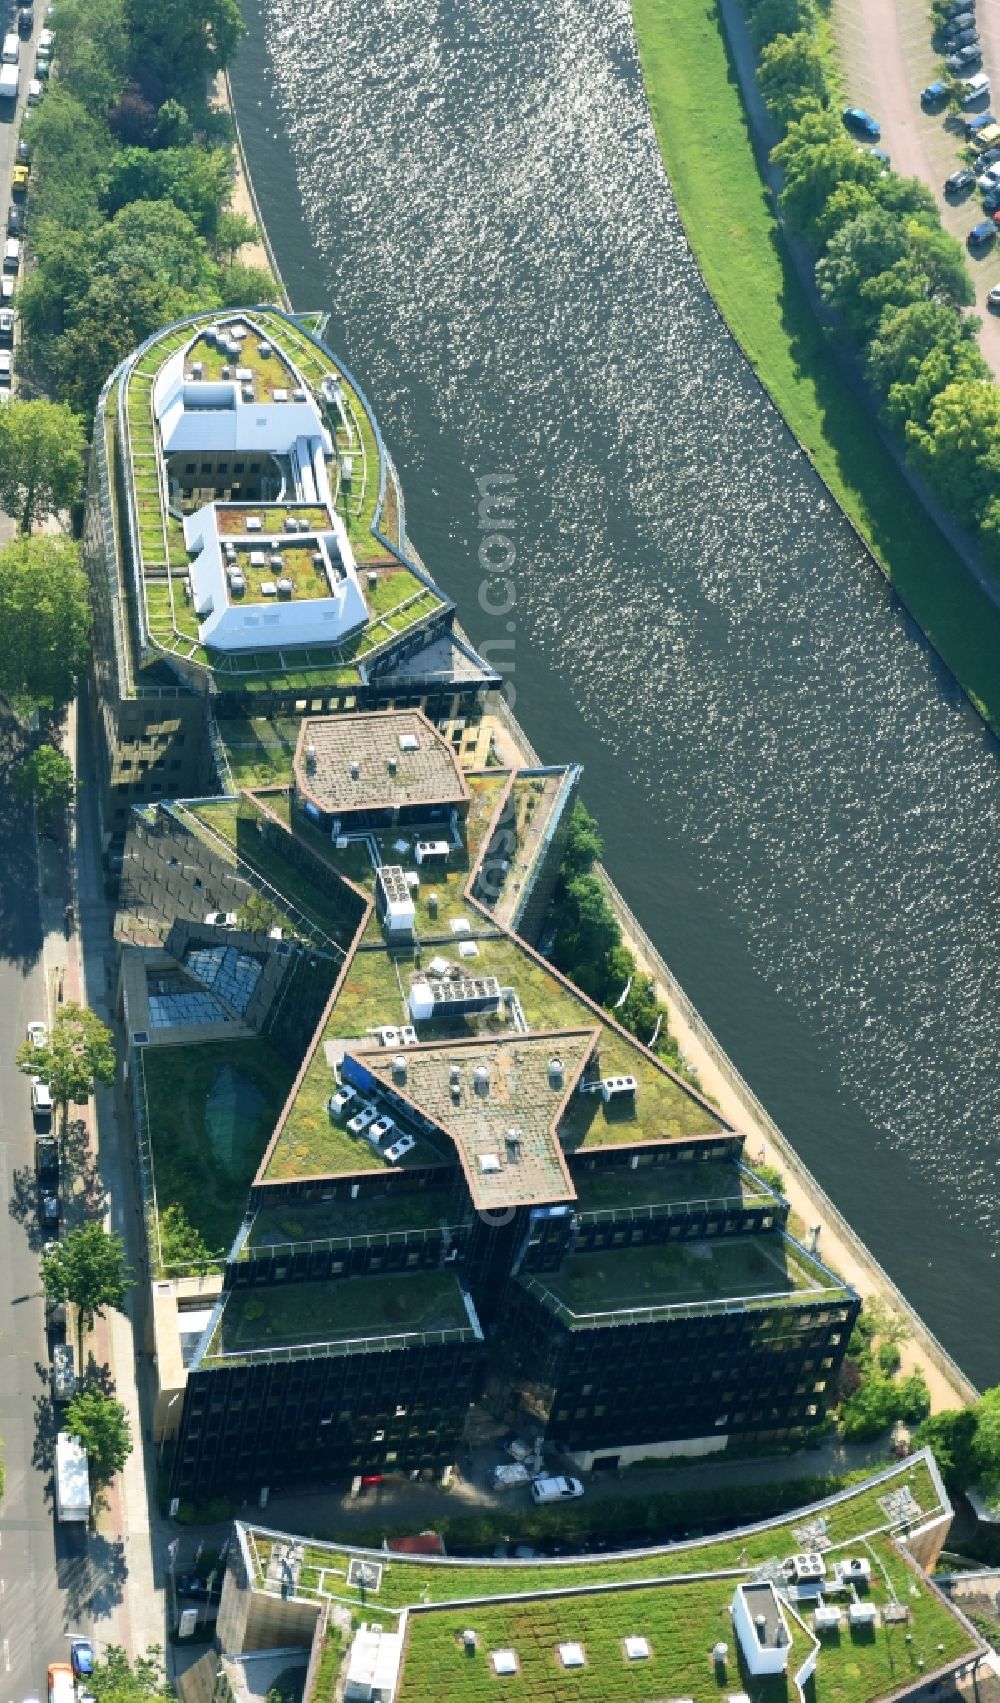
<point>41,1581</point>
<point>10,125</point>
<point>887,58</point>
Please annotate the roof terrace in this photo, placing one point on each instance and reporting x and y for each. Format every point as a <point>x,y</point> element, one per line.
<point>598,1288</point>
<point>353,1315</point>
<point>399,1213</point>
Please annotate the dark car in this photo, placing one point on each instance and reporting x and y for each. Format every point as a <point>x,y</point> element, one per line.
<point>966,59</point>
<point>933,94</point>
<point>961,40</point>
<point>982,235</point>
<point>988,157</point>
<point>23,152</point>
<point>961,181</point>
<point>15,222</point>
<point>25,23</point>
<point>48,1208</point>
<point>973,126</point>
<point>861,122</point>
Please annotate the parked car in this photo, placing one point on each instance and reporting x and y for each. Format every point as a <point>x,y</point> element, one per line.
<point>11,255</point>
<point>555,1489</point>
<point>340,1101</point>
<point>976,89</point>
<point>965,58</point>
<point>857,119</point>
<point>362,1118</point>
<point>25,22</point>
<point>81,1655</point>
<point>46,41</point>
<point>23,151</point>
<point>41,1093</point>
<point>43,65</point>
<point>15,221</point>
<point>976,127</point>
<point>35,91</point>
<point>38,1034</point>
<point>6,288</point>
<point>934,94</point>
<point>400,1148</point>
<point>959,35</point>
<point>19,182</point>
<point>48,1209</point>
<point>960,182</point>
<point>982,235</point>
<point>993,299</point>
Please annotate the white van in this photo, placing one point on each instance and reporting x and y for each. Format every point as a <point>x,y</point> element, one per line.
<point>11,254</point>
<point>11,49</point>
<point>975,87</point>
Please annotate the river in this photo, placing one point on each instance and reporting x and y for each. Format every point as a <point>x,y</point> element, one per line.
<point>796,800</point>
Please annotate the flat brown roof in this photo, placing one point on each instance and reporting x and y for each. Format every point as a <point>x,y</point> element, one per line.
<point>400,757</point>
<point>504,1087</point>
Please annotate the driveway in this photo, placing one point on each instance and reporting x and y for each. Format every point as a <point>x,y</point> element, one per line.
<point>887,58</point>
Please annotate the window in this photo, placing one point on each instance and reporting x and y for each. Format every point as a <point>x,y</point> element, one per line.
<point>190,467</point>
<point>125,763</point>
<point>239,466</point>
<point>206,467</point>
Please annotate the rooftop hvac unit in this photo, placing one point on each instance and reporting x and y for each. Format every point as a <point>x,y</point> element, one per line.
<point>618,1087</point>
<point>197,368</point>
<point>454,1075</point>
<point>237,584</point>
<point>310,758</point>
<point>556,1072</point>
<point>290,523</point>
<point>481,1078</point>
<point>285,587</point>
<point>408,742</point>
<point>264,351</point>
<point>300,396</point>
<point>399,1068</point>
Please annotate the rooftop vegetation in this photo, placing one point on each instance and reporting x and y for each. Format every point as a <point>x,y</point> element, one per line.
<point>211,1109</point>
<point>283,1315</point>
<point>668,1274</point>
<point>343,1219</point>
<point>661,1185</point>
<point>857,1514</point>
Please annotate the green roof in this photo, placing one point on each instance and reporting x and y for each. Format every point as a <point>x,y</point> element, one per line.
<point>670,1274</point>
<point>351,1313</point>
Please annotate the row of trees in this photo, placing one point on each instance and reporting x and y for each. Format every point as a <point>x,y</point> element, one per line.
<point>588,947</point>
<point>132,168</point>
<point>885,266</point>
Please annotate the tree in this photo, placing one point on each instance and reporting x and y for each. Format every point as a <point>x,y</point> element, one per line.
<point>180,1242</point>
<point>93,51</point>
<point>986,1446</point>
<point>173,125</point>
<point>917,351</point>
<point>247,286</point>
<point>951,1435</point>
<point>88,1268</point>
<point>183,41</point>
<point>770,18</point>
<point>101,1425</point>
<point>817,158</point>
<point>232,232</point>
<point>135,120</point>
<point>41,460</point>
<point>866,262</point>
<point>47,778</point>
<point>791,76</point>
<point>257,914</point>
<point>196,180</point>
<point>44,621</point>
<point>958,447</point>
<point>584,846</point>
<point>79,1053</point>
<point>117,1680</point>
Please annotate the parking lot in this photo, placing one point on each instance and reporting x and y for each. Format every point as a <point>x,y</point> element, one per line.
<point>887,57</point>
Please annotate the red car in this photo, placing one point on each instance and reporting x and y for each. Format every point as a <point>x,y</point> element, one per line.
<point>370,1478</point>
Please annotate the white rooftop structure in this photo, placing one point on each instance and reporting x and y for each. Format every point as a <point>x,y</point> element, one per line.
<point>760,1625</point>
<point>212,418</point>
<point>373,1665</point>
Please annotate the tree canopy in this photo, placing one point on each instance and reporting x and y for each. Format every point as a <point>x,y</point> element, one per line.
<point>79,1053</point>
<point>183,41</point>
<point>44,621</point>
<point>117,1680</point>
<point>791,76</point>
<point>88,1268</point>
<point>41,460</point>
<point>101,1425</point>
<point>46,777</point>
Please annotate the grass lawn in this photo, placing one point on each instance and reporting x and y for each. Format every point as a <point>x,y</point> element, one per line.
<point>212,1110</point>
<point>699,118</point>
<point>342,1219</point>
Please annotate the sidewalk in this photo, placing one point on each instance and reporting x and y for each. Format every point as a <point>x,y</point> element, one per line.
<point>127,1607</point>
